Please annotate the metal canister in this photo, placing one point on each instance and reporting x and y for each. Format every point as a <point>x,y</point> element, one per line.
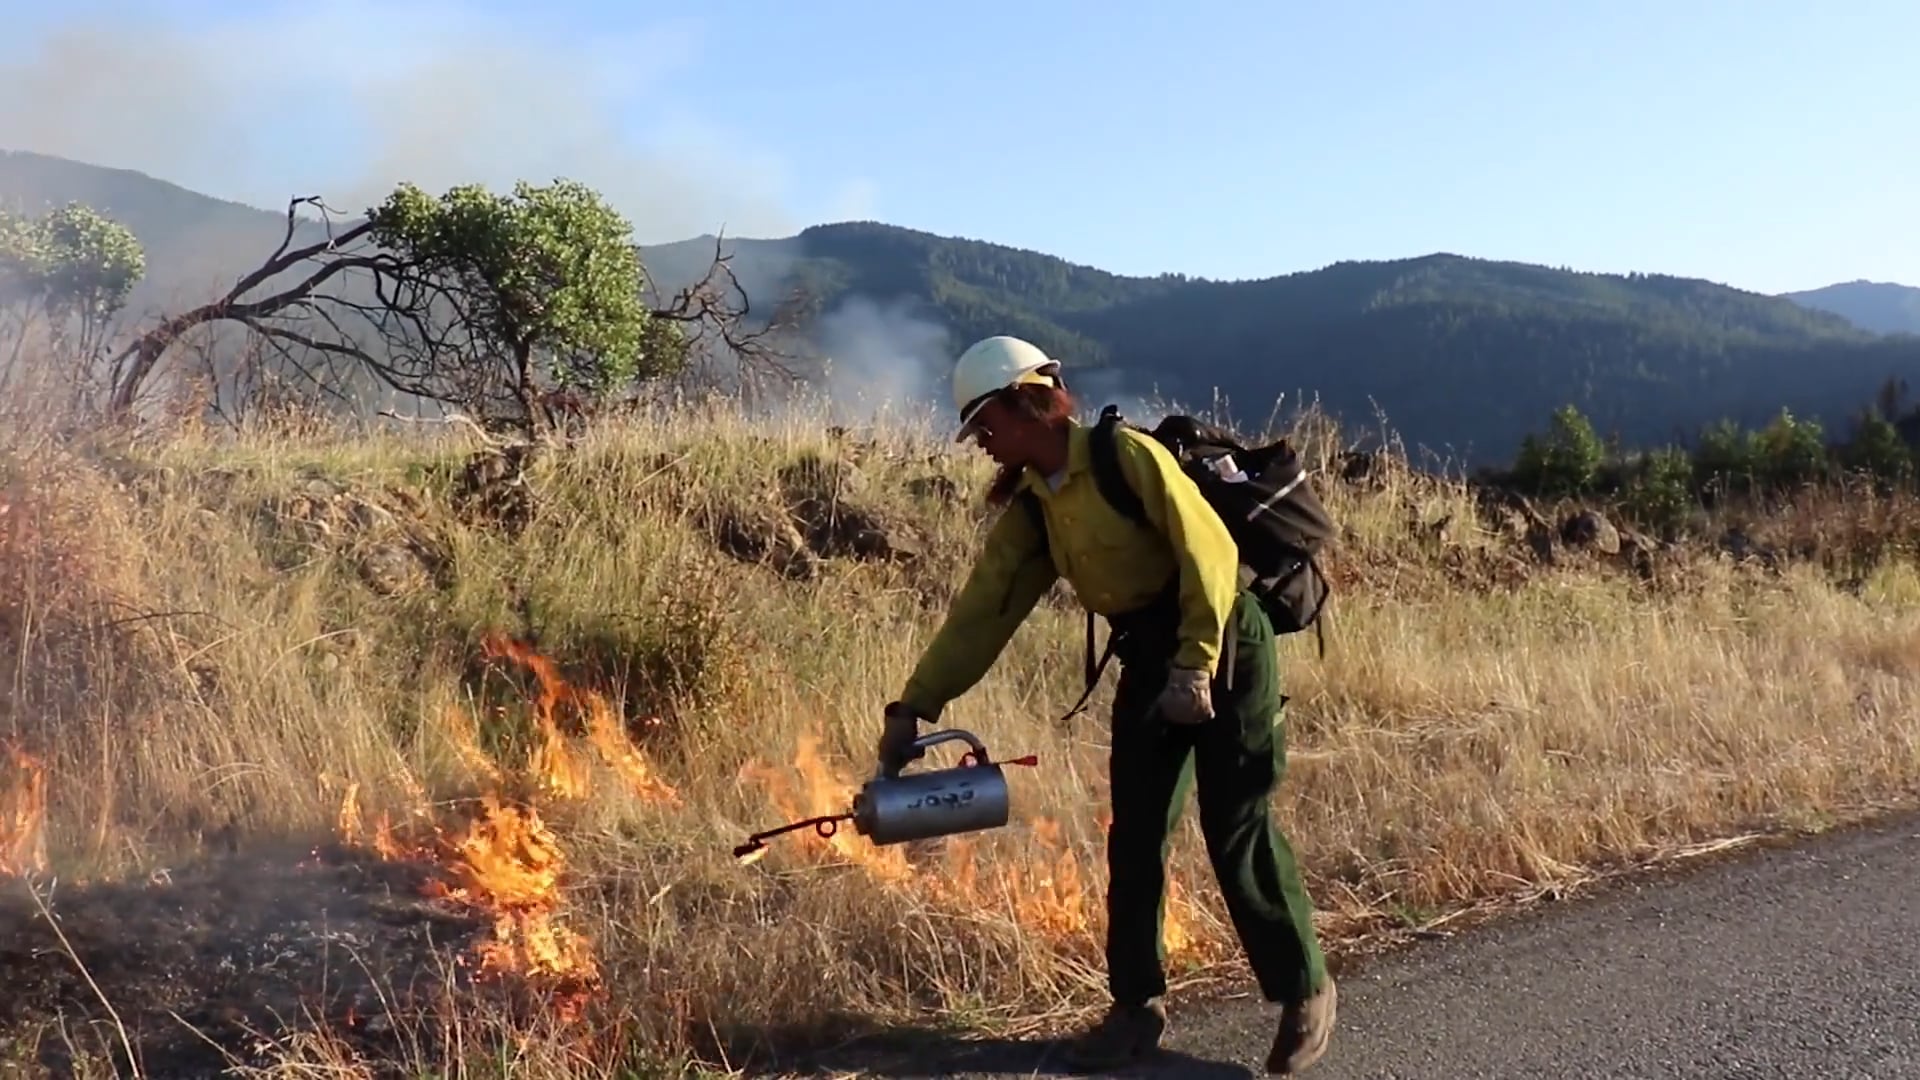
<point>965,798</point>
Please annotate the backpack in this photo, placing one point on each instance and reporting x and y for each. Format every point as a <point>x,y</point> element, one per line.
<point>1262,495</point>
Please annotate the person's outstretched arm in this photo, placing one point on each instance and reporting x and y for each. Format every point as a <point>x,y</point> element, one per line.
<point>1011,575</point>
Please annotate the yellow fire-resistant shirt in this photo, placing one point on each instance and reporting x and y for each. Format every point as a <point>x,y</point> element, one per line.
<point>1113,565</point>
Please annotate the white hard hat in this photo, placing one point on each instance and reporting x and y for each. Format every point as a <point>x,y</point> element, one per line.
<point>993,364</point>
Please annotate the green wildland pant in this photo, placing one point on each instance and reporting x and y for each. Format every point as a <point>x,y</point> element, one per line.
<point>1238,758</point>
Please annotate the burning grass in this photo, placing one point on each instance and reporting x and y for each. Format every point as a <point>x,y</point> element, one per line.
<point>382,763</point>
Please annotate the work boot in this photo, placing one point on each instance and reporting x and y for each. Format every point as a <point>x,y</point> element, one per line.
<point>1305,1028</point>
<point>1125,1035</point>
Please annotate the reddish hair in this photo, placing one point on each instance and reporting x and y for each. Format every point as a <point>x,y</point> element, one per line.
<point>1051,406</point>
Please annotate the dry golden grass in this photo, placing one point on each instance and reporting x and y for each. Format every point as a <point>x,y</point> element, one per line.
<point>218,644</point>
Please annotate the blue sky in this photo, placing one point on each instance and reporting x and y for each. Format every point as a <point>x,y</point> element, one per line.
<point>1766,144</point>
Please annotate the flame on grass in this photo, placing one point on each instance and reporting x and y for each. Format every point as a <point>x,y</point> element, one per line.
<point>509,863</point>
<point>821,792</point>
<point>602,725</point>
<point>23,812</point>
<point>506,860</point>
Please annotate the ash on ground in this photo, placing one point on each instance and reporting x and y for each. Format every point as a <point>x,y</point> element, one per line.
<point>204,966</point>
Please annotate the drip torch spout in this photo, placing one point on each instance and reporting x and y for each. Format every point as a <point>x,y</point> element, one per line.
<point>825,825</point>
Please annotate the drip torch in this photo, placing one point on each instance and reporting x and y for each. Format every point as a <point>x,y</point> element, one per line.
<point>893,809</point>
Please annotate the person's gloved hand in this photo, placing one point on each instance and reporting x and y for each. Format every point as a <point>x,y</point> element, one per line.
<point>1187,698</point>
<point>896,749</point>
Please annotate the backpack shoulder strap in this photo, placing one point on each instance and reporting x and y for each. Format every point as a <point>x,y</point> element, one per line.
<point>1114,488</point>
<point>1106,468</point>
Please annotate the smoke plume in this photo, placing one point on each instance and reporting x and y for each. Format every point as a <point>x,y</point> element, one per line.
<point>264,102</point>
<point>882,360</point>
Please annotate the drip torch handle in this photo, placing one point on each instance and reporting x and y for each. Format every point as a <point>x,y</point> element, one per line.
<point>948,735</point>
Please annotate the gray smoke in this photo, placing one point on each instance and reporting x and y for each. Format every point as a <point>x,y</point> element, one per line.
<point>347,99</point>
<point>889,360</point>
<point>883,361</point>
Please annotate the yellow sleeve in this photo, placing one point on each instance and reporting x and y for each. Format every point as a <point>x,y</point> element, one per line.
<point>1013,572</point>
<point>1203,549</point>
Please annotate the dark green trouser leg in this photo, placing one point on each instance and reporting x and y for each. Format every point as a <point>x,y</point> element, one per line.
<point>1237,759</point>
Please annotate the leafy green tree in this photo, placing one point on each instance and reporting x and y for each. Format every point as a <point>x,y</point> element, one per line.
<point>1876,449</point>
<point>498,304</point>
<point>544,282</point>
<point>73,266</point>
<point>1725,459</point>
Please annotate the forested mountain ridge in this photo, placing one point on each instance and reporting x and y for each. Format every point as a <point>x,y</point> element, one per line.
<point>973,288</point>
<point>1881,306</point>
<point>1458,352</point>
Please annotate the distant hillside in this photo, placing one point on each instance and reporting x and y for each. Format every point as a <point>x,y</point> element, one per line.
<point>1460,353</point>
<point>1456,351</point>
<point>196,244</point>
<point>971,287</point>
<point>1882,307</point>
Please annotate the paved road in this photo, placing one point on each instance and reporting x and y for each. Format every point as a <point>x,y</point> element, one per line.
<point>1788,962</point>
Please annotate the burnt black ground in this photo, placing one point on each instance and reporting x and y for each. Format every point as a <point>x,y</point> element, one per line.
<point>195,961</point>
<point>1788,961</point>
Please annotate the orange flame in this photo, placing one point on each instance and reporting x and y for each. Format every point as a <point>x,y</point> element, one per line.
<point>507,864</point>
<point>349,818</point>
<point>553,760</point>
<point>384,841</point>
<point>511,865</point>
<point>506,861</point>
<point>1051,899</point>
<point>23,814</point>
<point>466,741</point>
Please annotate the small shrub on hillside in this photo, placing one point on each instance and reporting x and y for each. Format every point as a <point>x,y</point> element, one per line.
<point>1659,496</point>
<point>1725,459</point>
<point>1566,462</point>
<point>1876,449</point>
<point>1790,452</point>
<point>688,652</point>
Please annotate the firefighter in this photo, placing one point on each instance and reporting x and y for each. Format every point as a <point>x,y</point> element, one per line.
<point>1181,720</point>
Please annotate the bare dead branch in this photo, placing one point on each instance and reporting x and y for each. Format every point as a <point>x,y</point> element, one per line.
<point>145,351</point>
<point>717,306</point>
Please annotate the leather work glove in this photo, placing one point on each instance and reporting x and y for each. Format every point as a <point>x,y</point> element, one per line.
<point>896,748</point>
<point>1187,698</point>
